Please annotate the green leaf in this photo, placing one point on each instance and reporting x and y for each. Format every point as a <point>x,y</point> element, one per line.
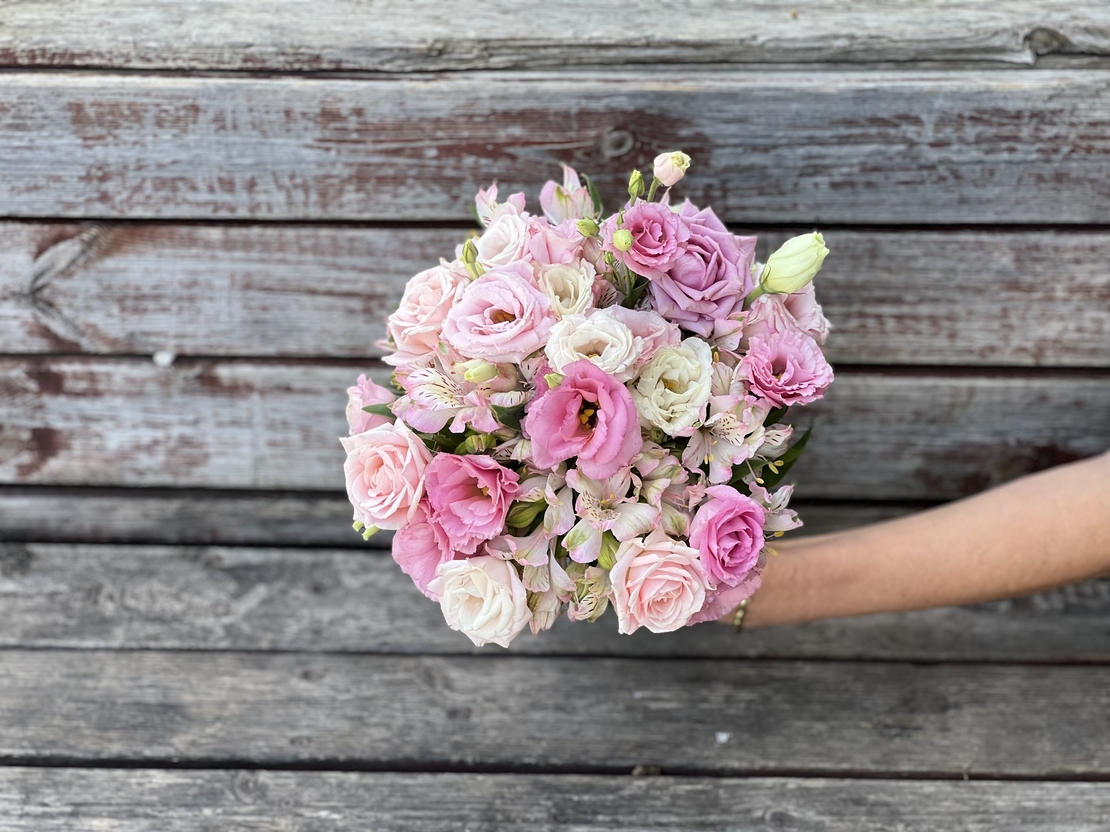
<point>380,410</point>
<point>786,461</point>
<point>594,195</point>
<point>508,416</point>
<point>775,415</point>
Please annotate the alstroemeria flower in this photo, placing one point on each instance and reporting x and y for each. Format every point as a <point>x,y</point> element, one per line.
<point>605,505</point>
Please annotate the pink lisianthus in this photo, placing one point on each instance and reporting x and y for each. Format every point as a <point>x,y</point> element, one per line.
<point>658,583</point>
<point>501,317</point>
<point>787,368</point>
<point>710,276</point>
<point>366,392</point>
<point>569,201</point>
<point>416,325</point>
<point>419,547</point>
<point>724,599</point>
<point>550,244</point>
<point>774,314</point>
<point>504,242</point>
<point>470,497</point>
<point>589,416</point>
<point>658,237</point>
<point>385,474</point>
<point>727,531</point>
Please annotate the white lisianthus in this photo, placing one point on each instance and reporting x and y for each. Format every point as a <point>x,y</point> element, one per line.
<point>671,167</point>
<point>482,597</point>
<point>599,338</point>
<point>794,264</point>
<point>569,285</point>
<point>504,242</point>
<point>673,388</point>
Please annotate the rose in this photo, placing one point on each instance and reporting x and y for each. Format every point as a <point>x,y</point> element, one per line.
<point>415,326</point>
<point>669,168</point>
<point>658,583</point>
<point>366,392</point>
<point>501,317</point>
<point>482,597</point>
<point>657,236</point>
<point>469,497</point>
<point>569,286</point>
<point>588,415</point>
<point>786,368</point>
<point>385,474</point>
<point>420,547</point>
<point>674,387</point>
<point>504,242</point>
<point>709,278</point>
<point>727,531</point>
<point>774,314</point>
<point>600,339</point>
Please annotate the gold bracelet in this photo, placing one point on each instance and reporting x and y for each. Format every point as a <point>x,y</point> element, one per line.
<point>738,618</point>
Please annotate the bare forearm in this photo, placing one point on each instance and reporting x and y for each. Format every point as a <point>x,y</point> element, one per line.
<point>1044,530</point>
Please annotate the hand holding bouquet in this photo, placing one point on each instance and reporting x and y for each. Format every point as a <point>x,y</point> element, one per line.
<point>588,412</point>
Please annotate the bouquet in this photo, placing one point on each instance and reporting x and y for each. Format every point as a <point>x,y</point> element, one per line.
<point>588,412</point>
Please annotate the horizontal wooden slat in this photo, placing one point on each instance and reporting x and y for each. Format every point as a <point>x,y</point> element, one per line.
<point>324,600</point>
<point>1035,298</point>
<point>51,800</point>
<point>272,425</point>
<point>436,35</point>
<point>873,147</point>
<point>571,714</point>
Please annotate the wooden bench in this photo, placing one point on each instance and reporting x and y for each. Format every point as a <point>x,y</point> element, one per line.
<point>209,207</point>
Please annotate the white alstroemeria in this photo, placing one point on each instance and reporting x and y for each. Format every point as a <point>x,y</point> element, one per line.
<point>489,209</point>
<point>777,518</point>
<point>571,200</point>
<point>730,436</point>
<point>532,489</point>
<point>532,550</point>
<point>504,242</point>
<point>776,439</point>
<point>606,295</point>
<point>599,338</point>
<point>569,285</point>
<point>605,506</point>
<point>547,603</point>
<point>546,608</point>
<point>592,589</point>
<point>673,388</point>
<point>559,517</point>
<point>680,499</point>
<point>657,469</point>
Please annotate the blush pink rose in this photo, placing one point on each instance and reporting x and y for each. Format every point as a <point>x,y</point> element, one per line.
<point>416,325</point>
<point>470,497</point>
<point>658,237</point>
<point>420,547</point>
<point>364,393</point>
<point>727,531</point>
<point>590,416</point>
<point>658,583</point>
<point>484,598</point>
<point>502,317</point>
<point>786,368</point>
<point>385,474</point>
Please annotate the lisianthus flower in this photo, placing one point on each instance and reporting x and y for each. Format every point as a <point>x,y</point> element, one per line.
<point>787,368</point>
<point>658,236</point>
<point>366,392</point>
<point>470,497</point>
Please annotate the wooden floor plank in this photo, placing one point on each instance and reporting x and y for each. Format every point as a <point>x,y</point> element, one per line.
<point>55,800</point>
<point>865,147</point>
<point>325,291</point>
<point>320,600</point>
<point>567,714</point>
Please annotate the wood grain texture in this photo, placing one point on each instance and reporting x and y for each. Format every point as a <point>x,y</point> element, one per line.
<point>327,600</point>
<point>864,147</point>
<point>569,714</point>
<point>429,35</point>
<point>95,421</point>
<point>52,800</point>
<point>960,297</point>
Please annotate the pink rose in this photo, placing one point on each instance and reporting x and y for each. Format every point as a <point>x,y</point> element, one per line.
<point>415,326</point>
<point>366,392</point>
<point>727,531</point>
<point>786,369</point>
<point>710,276</point>
<point>658,236</point>
<point>501,317</point>
<point>470,497</point>
<point>658,583</point>
<point>385,474</point>
<point>773,314</point>
<point>588,415</point>
<point>420,547</point>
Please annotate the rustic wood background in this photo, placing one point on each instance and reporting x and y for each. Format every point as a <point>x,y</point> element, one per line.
<point>191,636</point>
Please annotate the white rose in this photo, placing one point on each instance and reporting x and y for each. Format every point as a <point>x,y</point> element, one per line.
<point>674,387</point>
<point>482,597</point>
<point>600,338</point>
<point>504,242</point>
<point>569,285</point>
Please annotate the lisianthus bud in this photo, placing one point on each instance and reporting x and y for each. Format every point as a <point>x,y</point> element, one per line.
<point>553,379</point>
<point>477,371</point>
<point>470,260</point>
<point>636,185</point>
<point>587,227</point>
<point>793,265</point>
<point>670,167</point>
<point>622,239</point>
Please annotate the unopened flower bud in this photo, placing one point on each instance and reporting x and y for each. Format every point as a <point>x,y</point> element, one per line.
<point>636,184</point>
<point>521,515</point>
<point>477,371</point>
<point>670,167</point>
<point>553,380</point>
<point>622,239</point>
<point>588,228</point>
<point>791,267</point>
<point>609,545</point>
<point>470,260</point>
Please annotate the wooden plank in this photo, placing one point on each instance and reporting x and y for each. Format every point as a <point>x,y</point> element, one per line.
<point>325,291</point>
<point>429,35</point>
<point>95,421</point>
<point>871,147</point>
<point>52,800</point>
<point>572,714</point>
<point>327,600</point>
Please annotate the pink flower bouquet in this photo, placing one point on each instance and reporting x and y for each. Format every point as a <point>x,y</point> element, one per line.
<point>588,412</point>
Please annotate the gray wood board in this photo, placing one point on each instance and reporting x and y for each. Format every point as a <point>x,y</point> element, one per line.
<point>566,714</point>
<point>922,297</point>
<point>844,147</point>
<point>436,35</point>
<point>242,424</point>
<point>321,600</point>
<point>54,800</point>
